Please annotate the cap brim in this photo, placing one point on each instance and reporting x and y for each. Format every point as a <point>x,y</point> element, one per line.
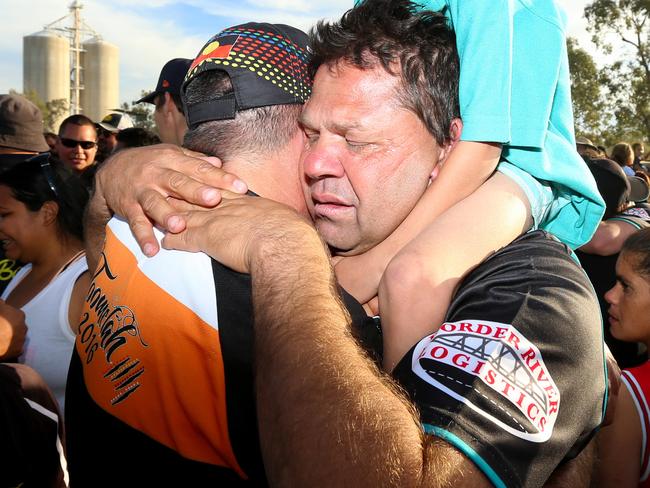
<point>639,190</point>
<point>148,99</point>
<point>36,143</point>
<point>107,127</point>
<point>590,146</point>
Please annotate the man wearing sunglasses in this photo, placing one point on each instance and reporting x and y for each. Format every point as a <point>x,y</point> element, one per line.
<point>77,143</point>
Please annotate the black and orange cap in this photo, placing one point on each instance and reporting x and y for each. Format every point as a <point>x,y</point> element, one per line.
<point>170,79</point>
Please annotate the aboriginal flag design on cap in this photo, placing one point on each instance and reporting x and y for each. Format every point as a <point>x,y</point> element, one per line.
<point>218,49</point>
<point>267,64</point>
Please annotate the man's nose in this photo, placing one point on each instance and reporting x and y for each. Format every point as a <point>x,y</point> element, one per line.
<point>323,159</point>
<point>611,295</point>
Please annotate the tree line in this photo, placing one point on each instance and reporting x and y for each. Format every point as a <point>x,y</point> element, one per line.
<point>611,100</point>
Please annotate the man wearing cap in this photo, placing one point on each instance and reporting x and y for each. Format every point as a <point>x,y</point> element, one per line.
<point>327,416</point>
<point>160,388</point>
<point>169,116</point>
<point>21,130</point>
<point>624,215</point>
<point>622,194</point>
<point>587,148</point>
<point>107,132</point>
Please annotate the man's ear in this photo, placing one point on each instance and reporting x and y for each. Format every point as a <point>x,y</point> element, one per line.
<point>49,212</point>
<point>169,104</point>
<point>455,129</point>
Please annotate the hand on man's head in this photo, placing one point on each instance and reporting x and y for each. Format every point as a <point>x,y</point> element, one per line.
<point>136,184</point>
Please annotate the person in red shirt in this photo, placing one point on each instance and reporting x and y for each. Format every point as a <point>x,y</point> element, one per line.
<point>623,445</point>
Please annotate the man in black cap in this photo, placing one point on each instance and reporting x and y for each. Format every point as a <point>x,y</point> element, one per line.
<point>169,116</point>
<point>622,194</point>
<point>625,214</point>
<point>160,385</point>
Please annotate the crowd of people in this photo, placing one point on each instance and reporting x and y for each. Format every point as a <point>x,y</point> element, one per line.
<point>348,257</point>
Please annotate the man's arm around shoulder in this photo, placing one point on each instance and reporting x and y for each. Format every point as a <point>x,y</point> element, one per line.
<point>609,238</point>
<point>328,416</point>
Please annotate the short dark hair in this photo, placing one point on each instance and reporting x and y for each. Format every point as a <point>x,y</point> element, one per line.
<point>394,31</point>
<point>29,184</point>
<point>159,101</point>
<point>254,130</point>
<point>77,119</point>
<point>638,246</point>
<point>137,137</point>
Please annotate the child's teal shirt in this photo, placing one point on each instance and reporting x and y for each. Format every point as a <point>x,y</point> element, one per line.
<point>515,89</point>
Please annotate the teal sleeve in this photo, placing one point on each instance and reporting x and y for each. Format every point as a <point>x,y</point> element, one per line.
<point>540,96</point>
<point>484,41</point>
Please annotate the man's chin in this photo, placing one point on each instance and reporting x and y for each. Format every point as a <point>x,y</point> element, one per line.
<point>78,165</point>
<point>338,239</point>
<point>344,247</point>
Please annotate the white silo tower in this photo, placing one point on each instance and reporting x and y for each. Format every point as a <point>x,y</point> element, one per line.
<point>72,57</point>
<point>46,66</point>
<point>100,61</point>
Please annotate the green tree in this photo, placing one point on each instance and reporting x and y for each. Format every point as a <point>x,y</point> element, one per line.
<point>141,113</point>
<point>627,81</point>
<point>55,111</point>
<point>52,111</point>
<point>588,105</point>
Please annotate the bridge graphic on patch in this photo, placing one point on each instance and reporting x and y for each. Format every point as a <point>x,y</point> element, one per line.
<point>505,361</point>
<point>496,371</point>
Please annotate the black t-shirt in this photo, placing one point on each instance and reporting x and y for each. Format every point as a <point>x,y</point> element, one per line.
<point>515,377</point>
<point>602,273</point>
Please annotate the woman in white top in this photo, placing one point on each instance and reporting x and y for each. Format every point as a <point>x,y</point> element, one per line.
<point>41,210</point>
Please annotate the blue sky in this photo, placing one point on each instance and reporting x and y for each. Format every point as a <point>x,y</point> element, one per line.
<point>150,32</point>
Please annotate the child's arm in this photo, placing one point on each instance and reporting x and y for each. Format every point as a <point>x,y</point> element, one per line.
<point>419,282</point>
<point>468,165</point>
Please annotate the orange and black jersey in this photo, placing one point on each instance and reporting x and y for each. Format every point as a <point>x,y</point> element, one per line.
<point>160,388</point>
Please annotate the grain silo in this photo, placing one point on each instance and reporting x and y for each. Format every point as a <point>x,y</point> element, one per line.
<point>46,66</point>
<point>100,62</point>
<point>70,60</point>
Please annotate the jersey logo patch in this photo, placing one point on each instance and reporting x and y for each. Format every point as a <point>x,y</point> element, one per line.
<point>494,370</point>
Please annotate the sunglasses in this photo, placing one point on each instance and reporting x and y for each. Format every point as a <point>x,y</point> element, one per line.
<point>48,171</point>
<point>74,143</point>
